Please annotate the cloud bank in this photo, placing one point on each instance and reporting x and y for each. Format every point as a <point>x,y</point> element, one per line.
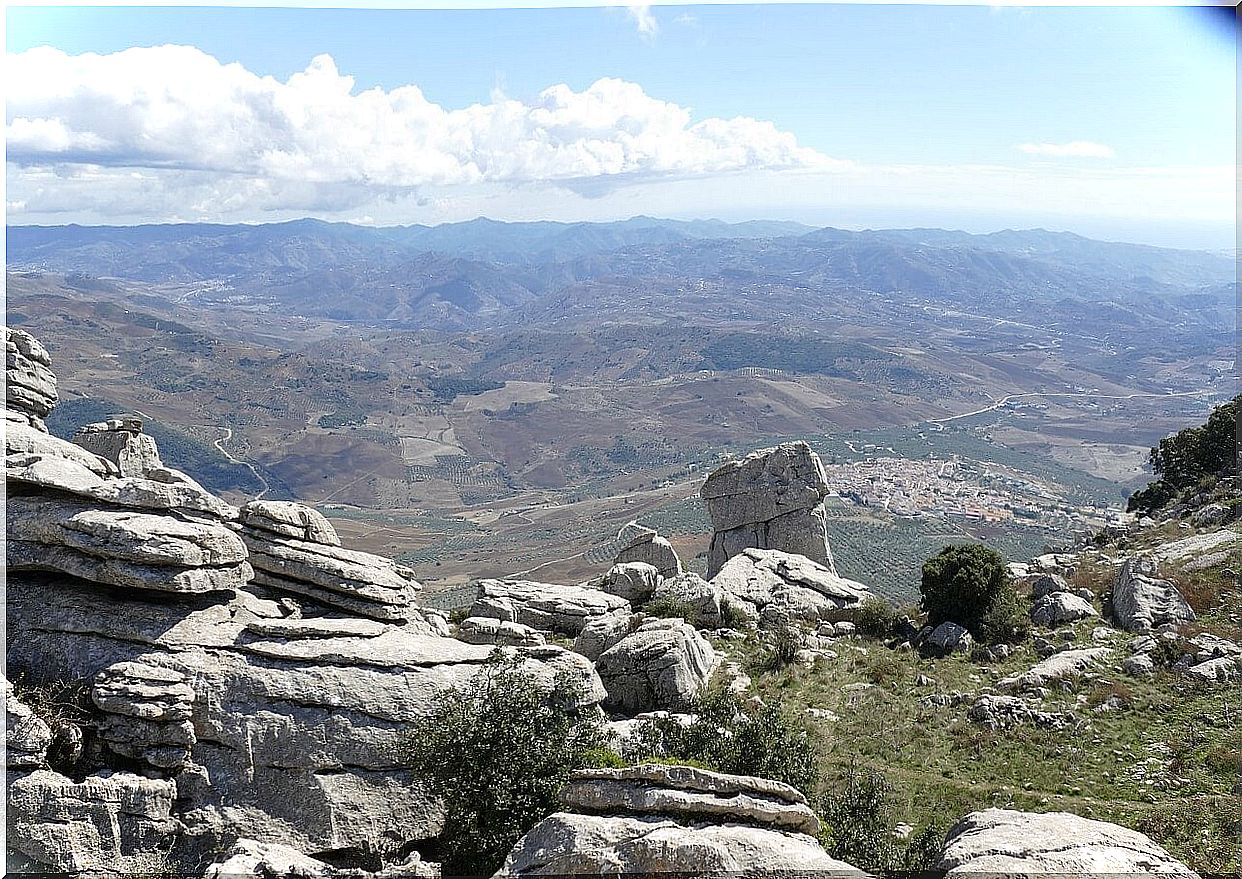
<point>1075,149</point>
<point>174,116</point>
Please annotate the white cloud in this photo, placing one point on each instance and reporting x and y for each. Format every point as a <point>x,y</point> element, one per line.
<point>1075,149</point>
<point>644,19</point>
<point>177,108</point>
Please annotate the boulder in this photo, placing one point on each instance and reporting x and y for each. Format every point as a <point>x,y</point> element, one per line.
<point>795,586</point>
<point>702,604</point>
<point>646,546</point>
<point>1139,665</point>
<point>771,499</point>
<point>30,385</point>
<point>1003,712</point>
<point>674,820</point>
<point>1142,601</point>
<point>603,632</point>
<point>147,711</point>
<point>664,664</point>
<point>1042,585</point>
<point>1210,514</point>
<point>27,736</point>
<point>289,519</point>
<point>946,638</point>
<point>1222,669</point>
<point>121,441</point>
<point>249,859</point>
<point>489,630</point>
<point>547,607</point>
<point>1004,842</point>
<point>634,581</point>
<point>1057,608</point>
<point>23,443</point>
<point>107,824</point>
<point>1063,666</point>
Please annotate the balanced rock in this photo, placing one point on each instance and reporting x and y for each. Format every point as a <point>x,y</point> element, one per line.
<point>636,582</point>
<point>1057,608</point>
<point>676,820</point>
<point>103,825</point>
<point>147,711</point>
<point>664,664</point>
<point>547,607</point>
<point>289,519</point>
<point>645,545</point>
<point>120,440</point>
<point>1142,601</point>
<point>771,499</point>
<point>30,385</point>
<point>1005,842</point>
<point>792,584</point>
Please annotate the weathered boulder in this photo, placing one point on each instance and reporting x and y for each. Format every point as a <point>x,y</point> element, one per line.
<point>298,722</point>
<point>636,582</point>
<point>159,552</point>
<point>1222,669</point>
<point>1139,665</point>
<point>793,585</point>
<point>664,664</point>
<point>30,385</point>
<point>147,711</point>
<point>1142,601</point>
<point>654,820</point>
<point>22,443</point>
<point>120,440</point>
<point>1063,666</point>
<point>703,604</point>
<point>289,519</point>
<point>489,630</point>
<point>771,499</point>
<point>547,607</point>
<point>357,582</point>
<point>107,824</point>
<point>249,859</point>
<point>946,638</point>
<point>1057,608</point>
<point>1002,712</point>
<point>644,545</point>
<point>1046,584</point>
<point>26,736</point>
<point>1210,514</point>
<point>603,632</point>
<point>1004,842</point>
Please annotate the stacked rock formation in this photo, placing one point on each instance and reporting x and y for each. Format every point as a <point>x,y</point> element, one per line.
<point>788,587</point>
<point>652,819</point>
<point>147,710</point>
<point>545,607</point>
<point>30,385</point>
<point>771,499</point>
<point>636,582</point>
<point>120,440</point>
<point>645,545</point>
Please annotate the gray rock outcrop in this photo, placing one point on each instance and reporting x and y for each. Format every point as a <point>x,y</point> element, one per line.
<point>792,587</point>
<point>946,638</point>
<point>644,545</point>
<point>663,664</point>
<point>546,607</point>
<point>771,499</point>
<point>1142,601</point>
<point>1003,712</point>
<point>653,819</point>
<point>147,711</point>
<point>1063,666</point>
<point>1004,842</point>
<point>703,604</point>
<point>636,582</point>
<point>502,633</point>
<point>120,440</point>
<point>289,519</point>
<point>26,735</point>
<point>30,384</point>
<point>1057,608</point>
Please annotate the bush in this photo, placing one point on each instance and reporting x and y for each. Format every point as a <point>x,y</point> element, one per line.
<point>784,649</point>
<point>725,738</point>
<point>876,618</point>
<point>969,584</point>
<point>858,828</point>
<point>497,752</point>
<point>668,606</point>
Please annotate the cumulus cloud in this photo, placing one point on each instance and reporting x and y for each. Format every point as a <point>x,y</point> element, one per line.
<point>182,117</point>
<point>1075,149</point>
<point>644,19</point>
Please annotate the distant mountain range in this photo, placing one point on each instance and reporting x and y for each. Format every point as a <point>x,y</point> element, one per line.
<point>461,273</point>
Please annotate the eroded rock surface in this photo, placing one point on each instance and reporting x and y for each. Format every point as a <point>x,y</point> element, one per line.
<point>645,546</point>
<point>1142,601</point>
<point>664,664</point>
<point>547,607</point>
<point>30,384</point>
<point>791,586</point>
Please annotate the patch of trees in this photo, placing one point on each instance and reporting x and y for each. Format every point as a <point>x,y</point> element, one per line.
<point>446,387</point>
<point>1190,458</point>
<point>969,584</point>
<point>789,354</point>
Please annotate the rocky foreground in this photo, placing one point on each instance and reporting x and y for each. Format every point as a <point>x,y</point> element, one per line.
<point>242,680</point>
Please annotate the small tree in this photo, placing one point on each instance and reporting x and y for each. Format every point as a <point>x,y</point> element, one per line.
<point>859,828</point>
<point>969,584</point>
<point>497,752</point>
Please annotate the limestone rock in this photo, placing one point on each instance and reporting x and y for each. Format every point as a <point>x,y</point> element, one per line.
<point>147,712</point>
<point>547,607</point>
<point>646,546</point>
<point>357,582</point>
<point>1139,665</point>
<point>1222,669</point>
<point>687,792</point>
<point>30,384</point>
<point>105,824</point>
<point>23,442</point>
<point>289,519</point>
<point>664,664</point>
<point>1057,608</point>
<point>1063,666</point>
<point>771,499</point>
<point>1004,842</point>
<point>1142,601</point>
<point>1003,712</point>
<point>26,736</point>
<point>489,630</point>
<point>946,638</point>
<point>634,581</point>
<point>702,604</point>
<point>121,441</point>
<point>1045,584</point>
<point>800,588</point>
<point>1210,514</point>
<point>602,633</point>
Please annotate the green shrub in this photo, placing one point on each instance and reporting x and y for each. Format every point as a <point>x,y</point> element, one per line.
<point>859,823</point>
<point>497,752</point>
<point>969,584</point>
<point>727,738</point>
<point>668,606</point>
<point>1190,459</point>
<point>783,652</point>
<point>876,618</point>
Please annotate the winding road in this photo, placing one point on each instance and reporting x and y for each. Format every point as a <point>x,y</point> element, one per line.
<point>1004,400</point>
<point>219,444</point>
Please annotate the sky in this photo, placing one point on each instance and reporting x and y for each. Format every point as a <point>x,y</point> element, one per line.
<point>1113,122</point>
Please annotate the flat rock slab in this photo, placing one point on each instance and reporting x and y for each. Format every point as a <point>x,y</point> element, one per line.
<point>1004,842</point>
<point>1061,666</point>
<point>547,607</point>
<point>289,519</point>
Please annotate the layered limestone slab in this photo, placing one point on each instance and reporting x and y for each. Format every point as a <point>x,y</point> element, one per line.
<point>792,585</point>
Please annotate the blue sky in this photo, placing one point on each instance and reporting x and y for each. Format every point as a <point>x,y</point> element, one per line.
<point>1118,122</point>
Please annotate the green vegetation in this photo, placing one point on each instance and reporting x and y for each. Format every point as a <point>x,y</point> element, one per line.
<point>497,752</point>
<point>1191,459</point>
<point>859,824</point>
<point>876,618</point>
<point>968,584</point>
<point>791,354</point>
<point>445,387</point>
